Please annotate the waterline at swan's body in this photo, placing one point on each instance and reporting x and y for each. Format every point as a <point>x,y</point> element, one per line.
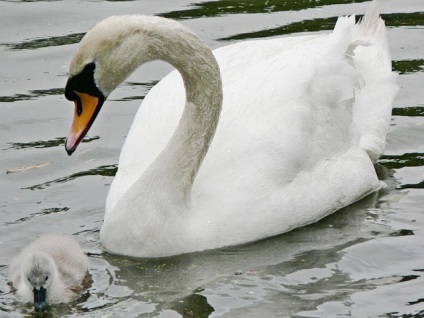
<point>289,137</point>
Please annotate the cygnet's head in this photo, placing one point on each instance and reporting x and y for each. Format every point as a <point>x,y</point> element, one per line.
<point>39,272</point>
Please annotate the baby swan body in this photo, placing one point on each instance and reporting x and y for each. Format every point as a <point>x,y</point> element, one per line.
<point>52,269</point>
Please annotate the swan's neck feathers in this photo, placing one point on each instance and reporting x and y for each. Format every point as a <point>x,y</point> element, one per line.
<point>170,177</point>
<point>179,162</point>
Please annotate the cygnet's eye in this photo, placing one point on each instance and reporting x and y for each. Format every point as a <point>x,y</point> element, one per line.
<point>47,277</point>
<point>28,279</point>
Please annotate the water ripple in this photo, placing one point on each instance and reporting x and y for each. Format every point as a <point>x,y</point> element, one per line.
<point>322,24</point>
<point>56,142</point>
<point>409,111</point>
<point>46,42</point>
<point>226,7</point>
<point>400,161</point>
<point>42,212</point>
<point>107,170</point>
<point>31,95</point>
<point>408,66</point>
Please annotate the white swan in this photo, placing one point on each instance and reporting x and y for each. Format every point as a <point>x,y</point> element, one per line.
<point>52,269</point>
<point>301,120</point>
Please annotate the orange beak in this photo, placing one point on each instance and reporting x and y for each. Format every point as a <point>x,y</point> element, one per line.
<point>86,110</point>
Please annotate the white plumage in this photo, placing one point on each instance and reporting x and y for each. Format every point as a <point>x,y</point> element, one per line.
<point>55,263</point>
<point>302,121</point>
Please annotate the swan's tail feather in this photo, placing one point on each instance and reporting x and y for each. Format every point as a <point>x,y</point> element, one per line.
<point>370,37</point>
<point>370,53</point>
<point>371,20</point>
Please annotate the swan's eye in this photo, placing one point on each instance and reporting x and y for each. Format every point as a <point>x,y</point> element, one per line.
<point>47,277</point>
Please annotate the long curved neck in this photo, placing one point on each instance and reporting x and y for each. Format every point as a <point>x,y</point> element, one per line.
<point>176,167</point>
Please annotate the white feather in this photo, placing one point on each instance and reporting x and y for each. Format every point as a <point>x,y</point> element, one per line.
<point>303,118</point>
<point>67,276</point>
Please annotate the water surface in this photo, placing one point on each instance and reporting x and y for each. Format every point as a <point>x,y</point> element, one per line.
<point>364,261</point>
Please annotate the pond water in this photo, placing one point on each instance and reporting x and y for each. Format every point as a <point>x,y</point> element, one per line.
<point>366,260</point>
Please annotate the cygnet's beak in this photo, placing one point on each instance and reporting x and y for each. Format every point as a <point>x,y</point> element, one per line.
<point>39,299</point>
<point>86,109</point>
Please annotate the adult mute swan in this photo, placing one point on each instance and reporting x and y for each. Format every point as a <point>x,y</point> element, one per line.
<point>246,142</point>
<point>52,269</point>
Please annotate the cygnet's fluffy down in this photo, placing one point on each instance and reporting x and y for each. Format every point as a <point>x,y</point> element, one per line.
<point>52,269</point>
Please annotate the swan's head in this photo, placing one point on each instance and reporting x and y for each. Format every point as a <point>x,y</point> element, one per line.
<point>105,57</point>
<point>38,273</point>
